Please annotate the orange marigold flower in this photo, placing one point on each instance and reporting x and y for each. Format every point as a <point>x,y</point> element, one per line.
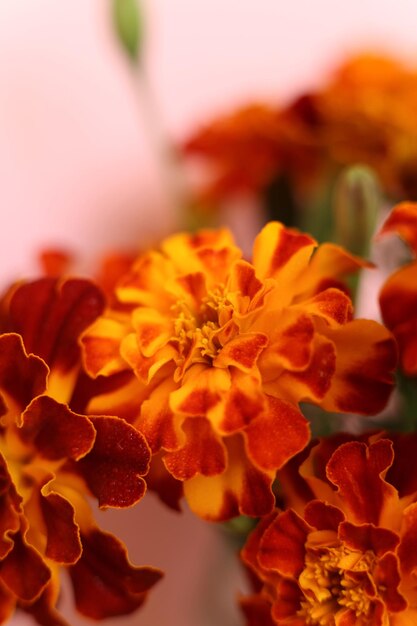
<point>344,553</point>
<point>52,457</point>
<point>223,351</point>
<point>398,298</point>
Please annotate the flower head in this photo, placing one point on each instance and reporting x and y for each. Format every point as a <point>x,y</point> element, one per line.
<point>52,457</point>
<point>221,351</point>
<point>343,552</point>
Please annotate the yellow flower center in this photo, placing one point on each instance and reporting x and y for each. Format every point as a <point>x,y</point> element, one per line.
<point>328,587</point>
<point>196,330</point>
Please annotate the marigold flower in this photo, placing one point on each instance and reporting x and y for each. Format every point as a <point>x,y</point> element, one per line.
<point>398,297</point>
<point>343,552</point>
<point>52,457</point>
<point>222,352</point>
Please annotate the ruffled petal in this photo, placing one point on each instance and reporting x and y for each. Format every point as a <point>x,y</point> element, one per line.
<point>363,380</point>
<point>276,435</point>
<point>357,470</point>
<point>105,583</point>
<point>55,431</point>
<point>203,452</point>
<point>23,571</point>
<point>22,376</point>
<point>241,489</point>
<point>282,547</point>
<point>114,467</point>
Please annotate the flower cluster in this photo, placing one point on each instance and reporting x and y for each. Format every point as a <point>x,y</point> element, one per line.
<point>365,114</point>
<point>52,457</point>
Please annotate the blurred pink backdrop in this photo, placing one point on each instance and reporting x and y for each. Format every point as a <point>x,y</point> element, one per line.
<point>79,168</point>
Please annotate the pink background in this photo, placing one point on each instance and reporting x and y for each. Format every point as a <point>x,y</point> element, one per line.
<point>79,168</point>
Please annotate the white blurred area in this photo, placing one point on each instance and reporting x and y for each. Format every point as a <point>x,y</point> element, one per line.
<point>79,169</point>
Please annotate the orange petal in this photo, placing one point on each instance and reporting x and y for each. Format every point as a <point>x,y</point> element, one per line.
<point>23,571</point>
<point>22,376</point>
<point>403,221</point>
<point>202,390</point>
<point>242,351</point>
<point>243,403</point>
<point>43,608</point>
<point>281,252</point>
<point>55,431</point>
<point>241,489</point>
<point>101,345</point>
<point>105,583</point>
<point>160,426</point>
<point>387,578</point>
<point>407,550</point>
<point>366,359</point>
<point>118,459</point>
<point>276,435</point>
<point>282,547</point>
<point>357,470</point>
<point>203,452</point>
<point>332,304</point>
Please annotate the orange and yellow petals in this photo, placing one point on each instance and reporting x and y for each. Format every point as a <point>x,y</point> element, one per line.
<point>152,330</point>
<point>282,253</point>
<point>329,265</point>
<point>398,301</point>
<point>114,468</point>
<point>202,454</point>
<point>403,221</point>
<point>104,581</point>
<point>22,376</point>
<point>23,571</point>
<point>276,435</point>
<point>408,547</point>
<point>242,352</point>
<point>332,305</point>
<point>282,547</point>
<point>51,315</point>
<point>363,379</point>
<point>368,537</point>
<point>357,469</point>
<point>240,489</point>
<point>101,345</point>
<point>242,403</point>
<point>160,426</point>
<point>56,432</point>
<point>314,381</point>
<point>246,289</point>
<point>291,344</point>
<point>145,368</point>
<point>201,391</point>
<point>211,252</point>
<point>145,284</point>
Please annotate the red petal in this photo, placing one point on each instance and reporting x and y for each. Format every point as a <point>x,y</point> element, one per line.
<point>23,570</point>
<point>368,537</point>
<point>113,468</point>
<point>242,352</point>
<point>282,547</point>
<point>387,578</point>
<point>407,550</point>
<point>22,377</point>
<point>203,452</point>
<point>50,315</point>
<point>55,431</point>
<point>105,583</point>
<point>357,470</point>
<point>323,516</point>
<point>257,611</point>
<point>63,536</point>
<point>276,435</point>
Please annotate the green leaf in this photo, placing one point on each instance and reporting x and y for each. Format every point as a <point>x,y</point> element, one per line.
<point>127,22</point>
